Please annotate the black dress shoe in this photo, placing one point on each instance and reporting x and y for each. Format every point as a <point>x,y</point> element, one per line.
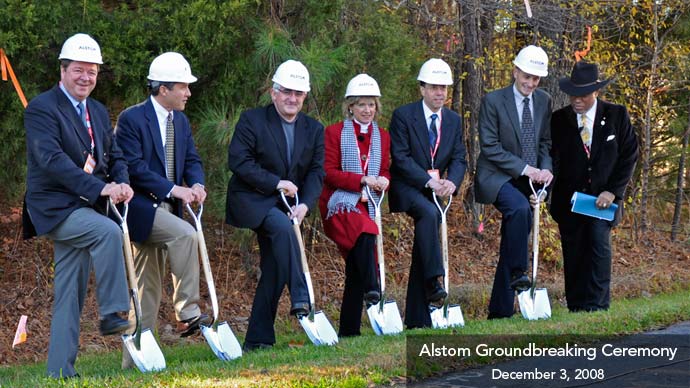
<point>190,326</point>
<point>520,282</point>
<point>251,346</point>
<point>372,297</point>
<point>112,324</point>
<point>435,292</point>
<point>300,310</point>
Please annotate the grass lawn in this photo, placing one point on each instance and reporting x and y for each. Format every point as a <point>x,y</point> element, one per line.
<point>354,362</point>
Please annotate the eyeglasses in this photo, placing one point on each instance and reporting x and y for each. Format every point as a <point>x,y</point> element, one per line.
<point>290,92</point>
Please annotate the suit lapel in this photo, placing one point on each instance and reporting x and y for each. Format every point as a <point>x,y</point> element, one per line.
<point>275,128</point>
<point>179,145</point>
<point>98,128</point>
<point>511,110</point>
<point>598,131</point>
<point>65,105</point>
<point>422,130</point>
<point>154,130</point>
<point>447,128</point>
<point>299,141</point>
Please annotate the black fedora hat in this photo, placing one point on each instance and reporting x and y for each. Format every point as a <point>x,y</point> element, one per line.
<point>584,79</point>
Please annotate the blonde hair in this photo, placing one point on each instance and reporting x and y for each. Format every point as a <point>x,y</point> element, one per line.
<point>352,100</point>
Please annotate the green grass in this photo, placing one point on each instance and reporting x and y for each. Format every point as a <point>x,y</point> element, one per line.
<point>354,362</point>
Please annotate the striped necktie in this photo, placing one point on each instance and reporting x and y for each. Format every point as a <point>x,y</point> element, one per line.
<point>170,148</point>
<point>433,134</point>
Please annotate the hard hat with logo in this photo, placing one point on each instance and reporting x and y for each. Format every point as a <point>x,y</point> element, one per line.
<point>82,48</point>
<point>171,67</point>
<point>362,85</point>
<point>435,71</point>
<point>293,75</point>
<point>533,60</point>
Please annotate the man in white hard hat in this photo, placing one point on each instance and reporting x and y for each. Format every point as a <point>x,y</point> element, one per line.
<point>274,148</point>
<point>74,167</point>
<point>166,172</point>
<point>514,144</point>
<point>594,152</point>
<point>428,156</point>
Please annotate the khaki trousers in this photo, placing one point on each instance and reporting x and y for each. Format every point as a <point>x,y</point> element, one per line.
<point>172,240</point>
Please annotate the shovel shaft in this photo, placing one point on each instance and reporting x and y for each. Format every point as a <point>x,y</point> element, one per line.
<point>206,264</point>
<point>305,265</point>
<point>379,253</point>
<point>133,285</point>
<point>535,244</point>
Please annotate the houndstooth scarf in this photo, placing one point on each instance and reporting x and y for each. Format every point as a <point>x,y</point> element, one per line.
<point>346,201</point>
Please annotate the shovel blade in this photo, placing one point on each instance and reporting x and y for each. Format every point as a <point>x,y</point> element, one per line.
<point>453,319</point>
<point>537,308</point>
<point>320,331</point>
<point>149,357</point>
<point>222,341</point>
<point>387,321</point>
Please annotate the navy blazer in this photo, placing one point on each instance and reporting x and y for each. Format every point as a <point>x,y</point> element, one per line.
<point>411,154</point>
<point>257,157</point>
<point>138,133</point>
<point>57,145</point>
<point>500,150</point>
<point>614,153</point>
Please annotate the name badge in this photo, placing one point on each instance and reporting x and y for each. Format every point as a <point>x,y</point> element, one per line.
<point>434,173</point>
<point>90,164</point>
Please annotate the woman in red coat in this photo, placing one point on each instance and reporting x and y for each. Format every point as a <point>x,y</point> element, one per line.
<point>357,155</point>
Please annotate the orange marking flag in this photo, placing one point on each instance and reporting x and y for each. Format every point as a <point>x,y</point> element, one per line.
<point>20,335</point>
<point>6,68</point>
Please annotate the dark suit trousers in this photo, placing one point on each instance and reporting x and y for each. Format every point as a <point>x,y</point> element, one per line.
<point>426,260</point>
<point>360,277</point>
<point>280,265</point>
<point>587,264</point>
<point>515,227</point>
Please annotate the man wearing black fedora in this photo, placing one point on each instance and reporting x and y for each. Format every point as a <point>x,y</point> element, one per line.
<point>594,151</point>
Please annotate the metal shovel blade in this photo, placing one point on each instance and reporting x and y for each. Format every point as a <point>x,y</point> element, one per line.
<point>148,358</point>
<point>319,330</point>
<point>222,341</point>
<point>537,307</point>
<point>386,321</point>
<point>453,317</point>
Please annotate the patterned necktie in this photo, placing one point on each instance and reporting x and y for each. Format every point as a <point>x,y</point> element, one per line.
<point>584,131</point>
<point>529,148</point>
<point>170,148</point>
<point>82,113</point>
<point>433,134</point>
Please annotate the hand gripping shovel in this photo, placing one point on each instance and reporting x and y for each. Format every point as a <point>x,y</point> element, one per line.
<point>218,335</point>
<point>384,316</point>
<point>141,344</point>
<point>316,325</point>
<point>534,303</point>
<point>448,315</point>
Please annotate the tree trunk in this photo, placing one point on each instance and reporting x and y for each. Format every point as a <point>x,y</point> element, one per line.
<point>675,225</point>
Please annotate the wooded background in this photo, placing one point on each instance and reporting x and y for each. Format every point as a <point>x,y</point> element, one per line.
<point>234,47</point>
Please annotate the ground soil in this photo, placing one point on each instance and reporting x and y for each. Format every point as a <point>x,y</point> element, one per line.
<point>645,263</point>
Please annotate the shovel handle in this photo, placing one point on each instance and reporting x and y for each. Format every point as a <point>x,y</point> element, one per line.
<point>205,262</point>
<point>540,195</point>
<point>302,251</point>
<point>379,237</point>
<point>129,264</point>
<point>444,236</point>
<point>287,205</point>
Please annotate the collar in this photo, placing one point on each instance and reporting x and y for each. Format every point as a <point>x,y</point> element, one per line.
<point>161,112</point>
<point>73,100</point>
<point>519,97</point>
<point>361,127</point>
<point>428,112</point>
<point>591,113</point>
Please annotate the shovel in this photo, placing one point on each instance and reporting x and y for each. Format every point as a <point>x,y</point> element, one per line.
<point>218,335</point>
<point>449,315</point>
<point>316,325</point>
<point>534,303</point>
<point>384,316</point>
<point>141,344</point>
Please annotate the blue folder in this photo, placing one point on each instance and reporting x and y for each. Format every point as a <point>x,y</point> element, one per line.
<point>585,204</point>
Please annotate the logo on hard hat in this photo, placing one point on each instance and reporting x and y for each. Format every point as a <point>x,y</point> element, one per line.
<point>439,72</point>
<point>297,76</point>
<point>87,48</point>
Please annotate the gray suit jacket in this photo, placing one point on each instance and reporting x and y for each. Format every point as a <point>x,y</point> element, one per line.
<point>500,152</point>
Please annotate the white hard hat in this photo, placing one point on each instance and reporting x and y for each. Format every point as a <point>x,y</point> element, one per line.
<point>533,60</point>
<point>171,67</point>
<point>293,75</point>
<point>82,48</point>
<point>435,71</point>
<point>362,85</point>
